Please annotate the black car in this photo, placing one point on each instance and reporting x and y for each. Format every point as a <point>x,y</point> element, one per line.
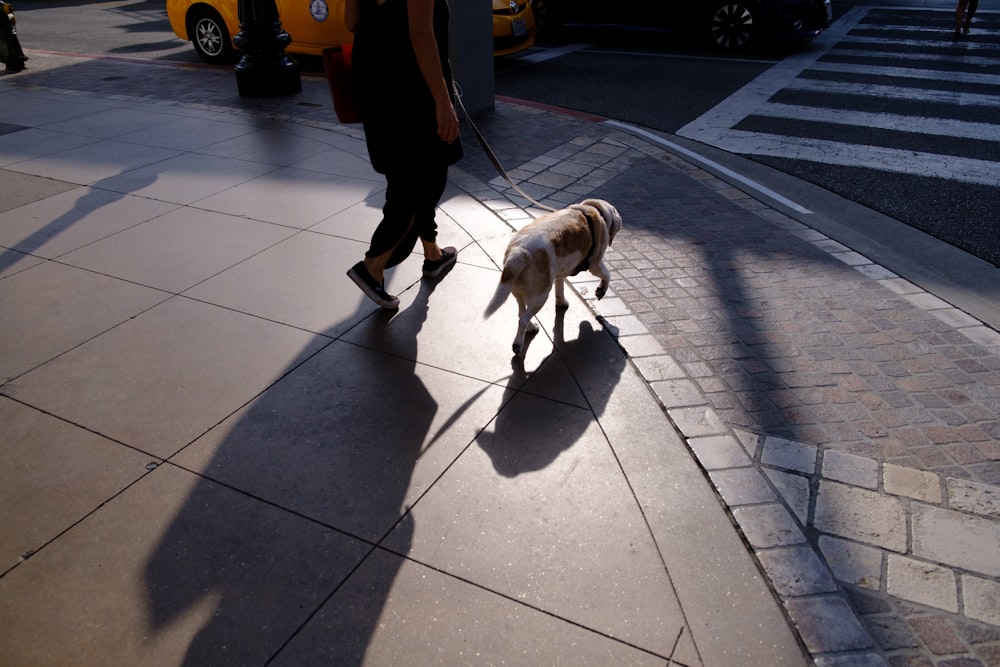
<point>728,24</point>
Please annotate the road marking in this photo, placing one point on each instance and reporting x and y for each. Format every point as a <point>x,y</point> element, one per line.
<point>946,127</point>
<point>539,55</point>
<point>542,55</point>
<point>895,92</point>
<point>740,104</point>
<point>716,126</point>
<point>918,57</point>
<point>709,164</point>
<point>908,72</point>
<point>900,161</point>
<point>921,43</point>
<point>684,56</point>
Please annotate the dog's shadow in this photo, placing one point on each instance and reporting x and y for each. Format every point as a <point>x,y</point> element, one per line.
<point>531,430</point>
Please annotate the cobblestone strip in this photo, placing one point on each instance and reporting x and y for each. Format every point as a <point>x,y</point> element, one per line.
<point>837,534</point>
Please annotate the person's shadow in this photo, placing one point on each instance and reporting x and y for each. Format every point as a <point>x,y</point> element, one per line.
<point>528,434</point>
<point>318,471</point>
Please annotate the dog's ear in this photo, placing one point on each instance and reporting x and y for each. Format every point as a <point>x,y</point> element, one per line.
<point>615,225</point>
<point>612,219</point>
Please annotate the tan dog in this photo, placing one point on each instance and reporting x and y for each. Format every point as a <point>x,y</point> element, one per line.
<point>547,251</point>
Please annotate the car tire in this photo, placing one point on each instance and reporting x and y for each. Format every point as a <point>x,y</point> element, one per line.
<point>210,37</point>
<point>733,25</point>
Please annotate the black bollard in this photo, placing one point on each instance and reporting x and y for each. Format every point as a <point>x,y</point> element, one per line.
<point>265,70</point>
<point>10,47</point>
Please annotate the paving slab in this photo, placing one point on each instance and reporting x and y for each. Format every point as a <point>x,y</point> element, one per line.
<point>174,570</point>
<point>55,475</point>
<point>163,378</point>
<point>60,307</point>
<point>847,385</point>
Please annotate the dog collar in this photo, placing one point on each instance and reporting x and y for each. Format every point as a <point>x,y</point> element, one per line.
<point>585,264</point>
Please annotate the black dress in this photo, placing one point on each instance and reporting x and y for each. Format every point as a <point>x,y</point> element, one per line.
<point>397,107</point>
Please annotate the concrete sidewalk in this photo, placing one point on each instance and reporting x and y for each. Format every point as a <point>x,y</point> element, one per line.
<point>219,452</point>
<point>762,440</point>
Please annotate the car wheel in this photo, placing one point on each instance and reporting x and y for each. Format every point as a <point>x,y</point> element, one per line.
<point>210,37</point>
<point>733,25</point>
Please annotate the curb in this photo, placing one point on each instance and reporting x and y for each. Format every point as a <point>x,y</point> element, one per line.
<point>814,519</point>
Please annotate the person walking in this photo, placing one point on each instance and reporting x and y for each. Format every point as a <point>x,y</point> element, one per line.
<point>963,16</point>
<point>403,86</point>
<point>10,47</point>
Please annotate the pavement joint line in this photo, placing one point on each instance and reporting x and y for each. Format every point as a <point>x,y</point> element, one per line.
<point>550,54</point>
<point>942,504</point>
<point>803,583</point>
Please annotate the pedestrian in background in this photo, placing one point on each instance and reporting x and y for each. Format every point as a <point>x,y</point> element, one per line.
<point>403,84</point>
<point>963,16</point>
<point>10,47</point>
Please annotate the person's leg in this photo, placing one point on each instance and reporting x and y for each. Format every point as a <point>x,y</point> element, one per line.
<point>960,16</point>
<point>377,264</point>
<point>435,182</point>
<point>412,196</point>
<point>437,260</point>
<point>970,11</point>
<point>424,186</point>
<point>394,235</point>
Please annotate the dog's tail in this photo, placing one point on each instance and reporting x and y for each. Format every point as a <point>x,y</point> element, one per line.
<point>515,262</point>
<point>503,291</point>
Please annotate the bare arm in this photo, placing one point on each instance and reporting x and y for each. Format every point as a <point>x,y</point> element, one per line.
<point>421,19</point>
<point>352,14</point>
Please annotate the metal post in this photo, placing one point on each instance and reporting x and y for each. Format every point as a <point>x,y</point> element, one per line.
<point>265,70</point>
<point>472,53</point>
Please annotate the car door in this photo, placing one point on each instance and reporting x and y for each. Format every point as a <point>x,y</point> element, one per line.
<point>314,24</point>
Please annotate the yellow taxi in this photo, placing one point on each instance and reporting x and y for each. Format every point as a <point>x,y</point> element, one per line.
<point>513,26</point>
<point>316,25</point>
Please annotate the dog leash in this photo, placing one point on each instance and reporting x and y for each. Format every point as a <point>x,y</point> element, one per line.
<point>491,155</point>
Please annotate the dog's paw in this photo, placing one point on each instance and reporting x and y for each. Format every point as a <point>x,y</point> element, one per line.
<point>601,290</point>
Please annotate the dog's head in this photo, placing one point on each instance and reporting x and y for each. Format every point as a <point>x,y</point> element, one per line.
<point>609,213</point>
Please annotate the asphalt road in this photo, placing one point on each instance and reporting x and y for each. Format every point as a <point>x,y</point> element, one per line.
<point>666,89</point>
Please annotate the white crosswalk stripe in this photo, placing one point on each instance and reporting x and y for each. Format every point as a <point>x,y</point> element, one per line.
<point>896,160</point>
<point>947,127</point>
<point>858,76</point>
<point>896,92</point>
<point>910,73</point>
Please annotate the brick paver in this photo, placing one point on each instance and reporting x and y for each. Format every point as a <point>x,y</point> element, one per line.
<point>796,343</point>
